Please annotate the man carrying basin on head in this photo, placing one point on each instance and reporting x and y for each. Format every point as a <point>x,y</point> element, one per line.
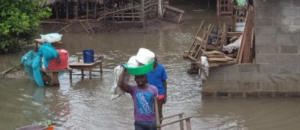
<point>143,95</point>
<point>157,77</point>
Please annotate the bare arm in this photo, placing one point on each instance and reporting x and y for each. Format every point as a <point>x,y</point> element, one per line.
<point>124,85</point>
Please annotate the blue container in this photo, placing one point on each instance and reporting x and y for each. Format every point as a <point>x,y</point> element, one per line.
<point>88,56</point>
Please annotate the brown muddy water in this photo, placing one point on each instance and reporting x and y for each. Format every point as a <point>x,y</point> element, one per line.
<point>86,105</point>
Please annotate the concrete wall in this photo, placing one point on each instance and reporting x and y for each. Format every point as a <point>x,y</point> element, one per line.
<point>276,71</point>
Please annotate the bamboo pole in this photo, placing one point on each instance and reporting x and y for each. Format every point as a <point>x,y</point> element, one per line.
<point>160,8</point>
<point>87,9</point>
<point>67,9</point>
<point>157,114</point>
<point>56,10</point>
<point>76,9</point>
<point>181,122</point>
<point>143,12</point>
<point>188,124</point>
<point>95,9</point>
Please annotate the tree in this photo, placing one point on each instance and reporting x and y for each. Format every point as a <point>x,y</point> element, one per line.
<point>19,22</point>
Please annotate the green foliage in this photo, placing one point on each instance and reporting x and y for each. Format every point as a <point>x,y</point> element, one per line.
<point>19,21</point>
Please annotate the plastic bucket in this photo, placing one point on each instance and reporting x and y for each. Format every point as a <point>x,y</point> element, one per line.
<point>88,56</point>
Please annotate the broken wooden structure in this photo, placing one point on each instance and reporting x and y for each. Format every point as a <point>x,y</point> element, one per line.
<point>208,42</point>
<point>160,122</point>
<point>228,8</point>
<point>85,12</point>
<point>225,7</point>
<point>247,49</point>
<point>170,11</point>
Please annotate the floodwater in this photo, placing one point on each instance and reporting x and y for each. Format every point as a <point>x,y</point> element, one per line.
<point>86,105</point>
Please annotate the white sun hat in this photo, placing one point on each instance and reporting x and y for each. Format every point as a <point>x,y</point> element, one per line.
<point>144,56</point>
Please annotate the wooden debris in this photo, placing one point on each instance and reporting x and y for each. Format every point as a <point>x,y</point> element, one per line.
<point>175,10</point>
<point>209,42</point>
<point>246,51</point>
<point>224,7</point>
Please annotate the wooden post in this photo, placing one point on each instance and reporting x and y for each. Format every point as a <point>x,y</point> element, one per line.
<point>188,124</point>
<point>132,10</point>
<point>56,10</point>
<point>90,73</point>
<point>143,12</point>
<point>70,76</point>
<point>87,9</point>
<point>82,74</point>
<point>160,8</point>
<point>101,71</point>
<point>67,9</point>
<point>76,9</point>
<point>157,114</point>
<point>95,9</point>
<point>181,122</point>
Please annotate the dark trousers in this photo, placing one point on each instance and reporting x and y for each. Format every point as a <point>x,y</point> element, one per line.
<point>144,125</point>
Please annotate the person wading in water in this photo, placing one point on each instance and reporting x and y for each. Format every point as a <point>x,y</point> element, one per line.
<point>143,95</point>
<point>158,78</point>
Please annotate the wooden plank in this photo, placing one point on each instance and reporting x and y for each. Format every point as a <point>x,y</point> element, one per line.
<point>176,121</point>
<point>199,39</point>
<point>188,124</point>
<point>77,64</point>
<point>181,122</point>
<point>192,48</point>
<point>220,59</point>
<point>167,117</point>
<point>214,52</point>
<point>247,55</point>
<point>174,9</point>
<point>156,112</point>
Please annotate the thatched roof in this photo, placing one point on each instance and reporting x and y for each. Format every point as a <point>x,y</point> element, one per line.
<point>50,2</point>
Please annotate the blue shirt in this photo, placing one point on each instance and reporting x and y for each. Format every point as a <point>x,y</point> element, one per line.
<point>157,78</point>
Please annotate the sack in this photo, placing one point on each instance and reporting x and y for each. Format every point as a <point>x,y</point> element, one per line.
<point>116,91</point>
<point>51,37</point>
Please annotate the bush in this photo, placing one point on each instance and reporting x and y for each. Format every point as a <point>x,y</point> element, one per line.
<point>19,22</point>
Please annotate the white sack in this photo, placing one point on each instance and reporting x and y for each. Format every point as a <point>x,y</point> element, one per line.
<point>51,37</point>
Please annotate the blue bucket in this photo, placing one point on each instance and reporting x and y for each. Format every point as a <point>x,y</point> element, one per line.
<point>88,56</point>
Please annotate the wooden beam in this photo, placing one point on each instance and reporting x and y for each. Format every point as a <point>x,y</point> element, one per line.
<point>67,9</point>
<point>157,113</point>
<point>143,12</point>
<point>167,117</point>
<point>173,122</point>
<point>87,9</point>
